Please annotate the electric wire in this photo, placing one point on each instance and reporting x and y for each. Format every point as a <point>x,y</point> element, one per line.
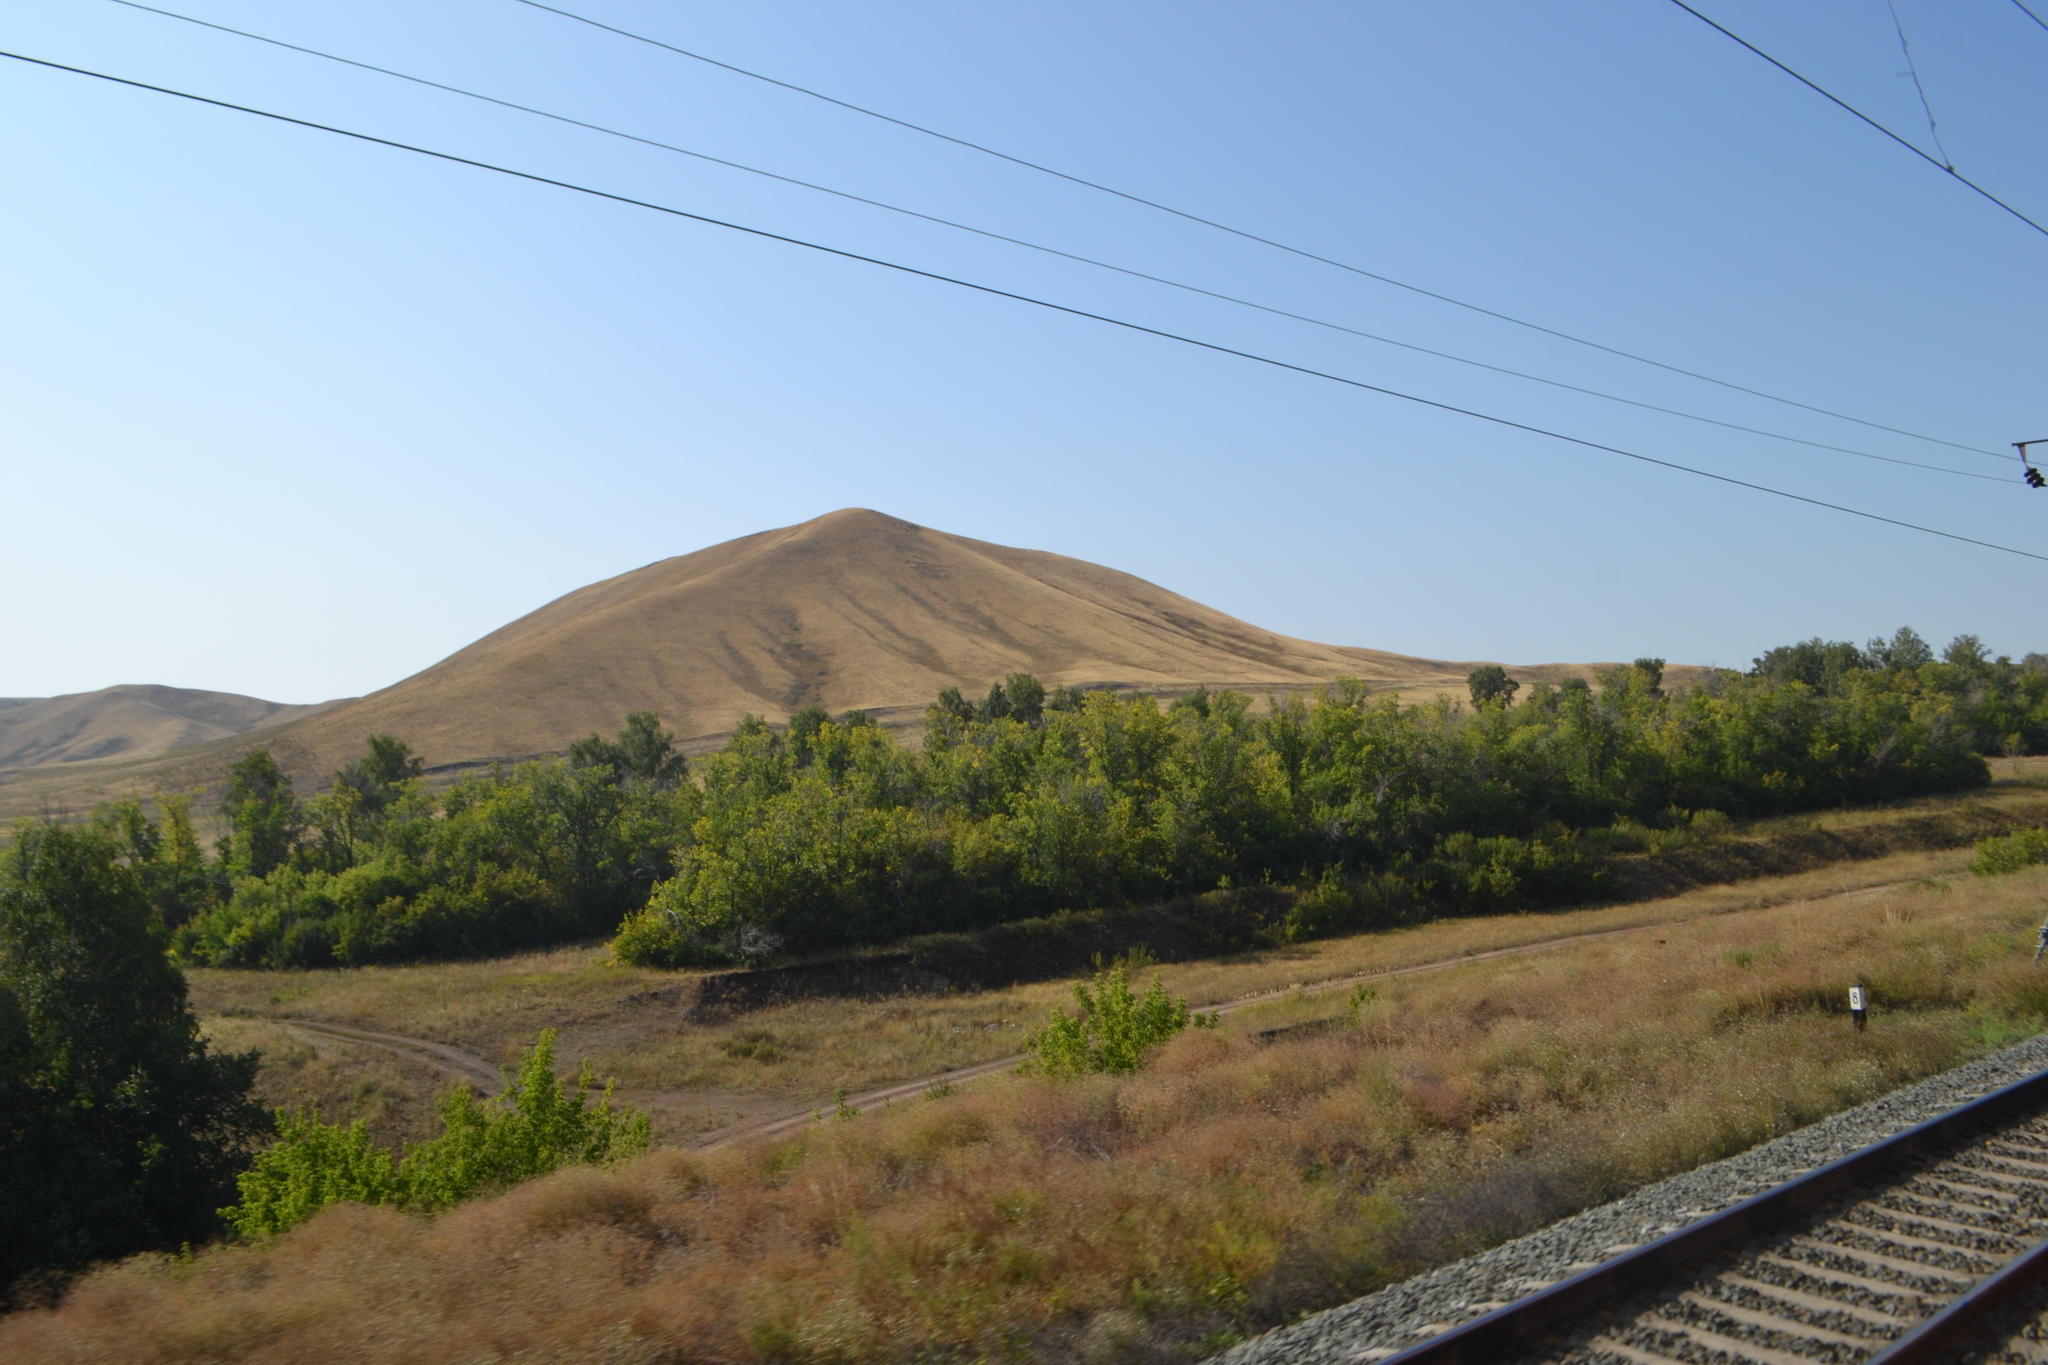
<point>1251,236</point>
<point>1054,251</point>
<point>1946,169</point>
<point>1913,69</point>
<point>994,292</point>
<point>2031,15</point>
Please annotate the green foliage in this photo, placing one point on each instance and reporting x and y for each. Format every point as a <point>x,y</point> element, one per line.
<point>312,1165</point>
<point>1114,1030</point>
<point>263,816</point>
<point>119,1131</point>
<point>833,835</point>
<point>1904,652</point>
<point>165,857</point>
<point>535,1127</point>
<point>502,861</point>
<point>1491,683</point>
<point>643,752</point>
<point>2010,853</point>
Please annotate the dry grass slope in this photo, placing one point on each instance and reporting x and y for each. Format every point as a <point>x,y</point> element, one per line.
<point>851,609</point>
<point>1248,1174</point>
<point>130,721</point>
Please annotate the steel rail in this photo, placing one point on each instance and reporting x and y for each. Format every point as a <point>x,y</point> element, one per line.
<point>1523,1325</point>
<point>1943,1335</point>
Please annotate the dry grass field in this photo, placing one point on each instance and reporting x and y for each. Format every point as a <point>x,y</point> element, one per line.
<point>1298,1155</point>
<point>693,1077</point>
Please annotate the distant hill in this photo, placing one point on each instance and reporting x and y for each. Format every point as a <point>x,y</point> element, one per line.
<point>129,721</point>
<point>853,609</point>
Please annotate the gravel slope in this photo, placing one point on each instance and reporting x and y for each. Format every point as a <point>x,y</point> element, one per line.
<point>1400,1315</point>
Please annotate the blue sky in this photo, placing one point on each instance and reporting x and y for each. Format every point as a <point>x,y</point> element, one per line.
<point>295,416</point>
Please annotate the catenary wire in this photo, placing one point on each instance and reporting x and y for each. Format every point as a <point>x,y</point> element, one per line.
<point>994,292</point>
<point>2031,15</point>
<point>1252,236</point>
<point>1948,163</point>
<point>1054,251</point>
<point>1938,165</point>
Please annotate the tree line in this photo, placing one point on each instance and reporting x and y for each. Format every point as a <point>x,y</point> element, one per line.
<point>826,832</point>
<point>829,833</point>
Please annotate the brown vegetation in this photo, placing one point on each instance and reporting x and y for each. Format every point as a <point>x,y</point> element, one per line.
<point>1248,1174</point>
<point>131,721</point>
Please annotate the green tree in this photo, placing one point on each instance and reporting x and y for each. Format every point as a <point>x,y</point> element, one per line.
<point>1903,652</point>
<point>166,857</point>
<point>1823,665</point>
<point>1490,683</point>
<point>263,814</point>
<point>119,1131</point>
<point>1027,698</point>
<point>643,751</point>
<point>1966,652</point>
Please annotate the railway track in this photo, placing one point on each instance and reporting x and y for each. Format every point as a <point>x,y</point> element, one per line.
<point>1896,1254</point>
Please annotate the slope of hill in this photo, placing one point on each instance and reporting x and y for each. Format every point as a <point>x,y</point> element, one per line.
<point>853,609</point>
<point>130,721</point>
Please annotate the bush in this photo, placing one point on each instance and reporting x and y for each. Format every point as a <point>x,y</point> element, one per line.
<point>533,1128</point>
<point>313,1164</point>
<point>1115,1028</point>
<point>2010,853</point>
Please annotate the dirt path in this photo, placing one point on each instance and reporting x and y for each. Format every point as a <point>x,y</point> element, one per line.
<point>463,1065</point>
<point>477,1072</point>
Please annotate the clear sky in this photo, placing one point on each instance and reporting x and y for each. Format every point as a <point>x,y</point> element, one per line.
<point>294,416</point>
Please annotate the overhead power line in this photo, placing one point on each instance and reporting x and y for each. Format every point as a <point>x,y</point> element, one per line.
<point>1054,251</point>
<point>1839,103</point>
<point>994,292</point>
<point>2030,14</point>
<point>1248,236</point>
<point>1948,163</point>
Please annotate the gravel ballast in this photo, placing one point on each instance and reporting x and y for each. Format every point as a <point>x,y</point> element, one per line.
<point>1401,1315</point>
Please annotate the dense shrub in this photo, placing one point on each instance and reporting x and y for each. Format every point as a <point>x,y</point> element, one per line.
<point>535,1127</point>
<point>1114,1031</point>
<point>2011,852</point>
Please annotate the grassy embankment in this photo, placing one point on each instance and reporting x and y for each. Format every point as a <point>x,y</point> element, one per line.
<point>1244,1177</point>
<point>696,1072</point>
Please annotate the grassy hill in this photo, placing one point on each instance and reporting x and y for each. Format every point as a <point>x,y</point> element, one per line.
<point>852,609</point>
<point>130,721</point>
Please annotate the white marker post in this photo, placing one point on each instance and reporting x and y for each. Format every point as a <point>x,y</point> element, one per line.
<point>1859,1007</point>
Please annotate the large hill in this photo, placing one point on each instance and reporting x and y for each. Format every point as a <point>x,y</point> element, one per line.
<point>853,609</point>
